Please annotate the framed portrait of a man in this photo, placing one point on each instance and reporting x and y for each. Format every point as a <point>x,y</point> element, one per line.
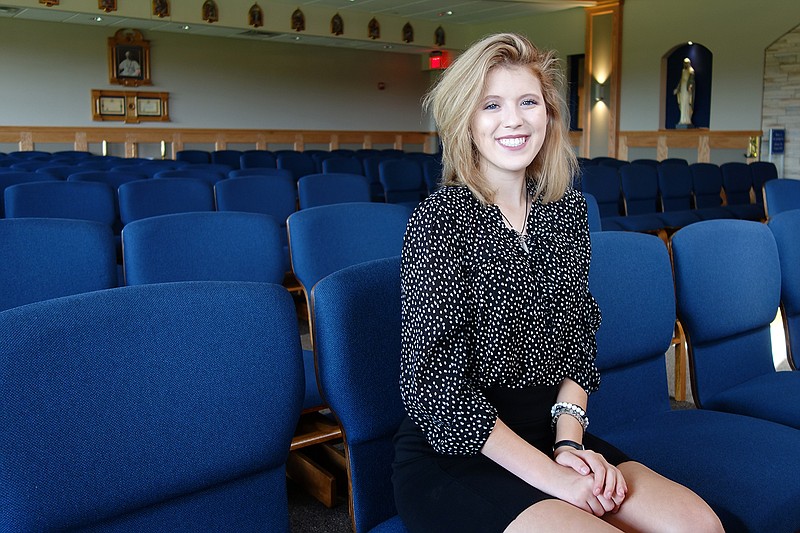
<point>129,58</point>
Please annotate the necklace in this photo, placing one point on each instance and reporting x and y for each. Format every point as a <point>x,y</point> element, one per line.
<point>521,232</point>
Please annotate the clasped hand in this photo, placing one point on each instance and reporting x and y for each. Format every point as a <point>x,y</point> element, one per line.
<point>600,488</point>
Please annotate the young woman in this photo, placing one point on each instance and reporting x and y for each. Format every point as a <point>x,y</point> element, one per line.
<point>499,325</point>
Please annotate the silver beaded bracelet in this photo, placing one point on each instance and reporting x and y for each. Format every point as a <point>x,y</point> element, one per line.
<point>576,411</point>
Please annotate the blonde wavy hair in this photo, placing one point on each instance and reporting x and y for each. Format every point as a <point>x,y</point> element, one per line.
<point>455,98</point>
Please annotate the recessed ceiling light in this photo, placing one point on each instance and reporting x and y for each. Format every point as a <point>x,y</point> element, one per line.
<point>97,19</point>
<point>186,27</point>
<point>445,13</point>
<point>388,46</point>
<point>690,43</point>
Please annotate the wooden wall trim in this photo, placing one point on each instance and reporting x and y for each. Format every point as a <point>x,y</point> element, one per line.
<point>702,139</point>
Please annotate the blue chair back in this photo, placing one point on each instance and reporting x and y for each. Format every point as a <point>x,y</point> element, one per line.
<point>298,163</point>
<point>257,159</point>
<point>193,156</point>
<point>706,184</point>
<point>166,407</point>
<point>208,175</point>
<point>728,283</point>
<point>325,189</point>
<point>779,195</point>
<point>260,171</point>
<point>7,179</point>
<point>113,178</point>
<point>737,180</point>
<point>432,172</point>
<point>328,238</point>
<point>784,228</point>
<point>342,165</point>
<point>203,246</point>
<point>402,180</point>
<point>639,188</point>
<point>62,199</point>
<point>631,278</point>
<point>674,161</point>
<point>603,182</point>
<point>593,211</point>
<point>230,158</point>
<point>675,187</point>
<point>763,171</point>
<point>43,258</point>
<point>58,172</point>
<point>153,197</point>
<point>356,320</point>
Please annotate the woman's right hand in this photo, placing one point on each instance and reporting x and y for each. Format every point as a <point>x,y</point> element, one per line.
<point>579,490</point>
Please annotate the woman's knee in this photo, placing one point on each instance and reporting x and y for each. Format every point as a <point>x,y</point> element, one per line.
<point>557,516</point>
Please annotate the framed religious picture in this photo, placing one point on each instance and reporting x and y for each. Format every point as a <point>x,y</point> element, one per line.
<point>161,8</point>
<point>374,29</point>
<point>128,58</point>
<point>107,5</point>
<point>210,12</point>
<point>255,16</point>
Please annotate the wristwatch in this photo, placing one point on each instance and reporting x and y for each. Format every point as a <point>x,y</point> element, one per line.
<point>570,443</point>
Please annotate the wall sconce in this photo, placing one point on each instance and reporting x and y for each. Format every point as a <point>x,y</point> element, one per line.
<point>599,91</point>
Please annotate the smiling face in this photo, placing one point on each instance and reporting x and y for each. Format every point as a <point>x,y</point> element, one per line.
<point>510,124</point>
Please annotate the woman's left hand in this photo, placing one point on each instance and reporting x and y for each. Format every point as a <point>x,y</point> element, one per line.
<point>608,480</point>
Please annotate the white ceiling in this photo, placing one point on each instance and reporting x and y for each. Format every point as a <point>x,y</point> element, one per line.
<point>443,11</point>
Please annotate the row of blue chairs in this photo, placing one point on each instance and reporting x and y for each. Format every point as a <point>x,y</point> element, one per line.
<point>641,197</point>
<point>753,424</point>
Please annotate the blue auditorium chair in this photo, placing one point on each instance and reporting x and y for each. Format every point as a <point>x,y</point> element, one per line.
<point>207,175</point>
<point>151,168</point>
<point>674,161</point>
<point>737,182</point>
<point>707,191</point>
<point>779,195</point>
<point>645,161</point>
<point>612,162</point>
<point>298,163</point>
<point>260,171</point>
<point>164,407</point>
<point>193,156</point>
<point>593,211</point>
<point>728,287</point>
<point>356,321</point>
<point>763,171</point>
<point>270,195</point>
<point>342,165</point>
<point>403,182</point>
<point>113,178</point>
<point>257,159</point>
<point>603,183</point>
<point>371,164</point>
<point>333,188</point>
<point>43,258</point>
<point>784,228</point>
<point>231,158</point>
<point>152,197</point>
<point>82,200</point>
<point>9,178</point>
<point>630,277</point>
<point>675,194</point>
<point>640,198</point>
<point>58,172</point>
<point>432,172</point>
<point>203,246</point>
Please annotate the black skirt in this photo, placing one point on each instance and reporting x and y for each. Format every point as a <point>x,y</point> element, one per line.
<point>441,493</point>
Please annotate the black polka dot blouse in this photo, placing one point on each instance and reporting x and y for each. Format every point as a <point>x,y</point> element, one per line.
<point>479,310</point>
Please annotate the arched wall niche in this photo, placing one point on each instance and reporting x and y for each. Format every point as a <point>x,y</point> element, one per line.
<point>672,63</point>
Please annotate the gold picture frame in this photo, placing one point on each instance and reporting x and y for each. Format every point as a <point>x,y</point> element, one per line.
<point>129,59</point>
<point>130,107</point>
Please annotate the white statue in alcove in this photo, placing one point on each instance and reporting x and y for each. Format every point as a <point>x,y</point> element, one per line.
<point>684,92</point>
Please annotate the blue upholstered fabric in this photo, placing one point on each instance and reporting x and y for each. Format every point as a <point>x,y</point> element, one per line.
<point>298,163</point>
<point>593,213</point>
<point>763,171</point>
<point>7,179</point>
<point>59,172</point>
<point>341,164</point>
<point>153,197</point>
<point>356,318</point>
<point>332,188</point>
<point>779,195</point>
<point>675,192</point>
<point>203,246</point>
<point>603,182</point>
<point>165,407</point>
<point>229,158</point>
<point>113,178</point>
<point>784,227</point>
<point>707,189</point>
<point>62,199</point>
<point>257,159</point>
<point>432,172</point>
<point>630,276</point>
<point>43,258</point>
<point>403,181</point>
<point>328,238</point>
<point>640,193</point>
<point>737,180</point>
<point>728,283</point>
<point>193,156</point>
<point>205,174</point>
